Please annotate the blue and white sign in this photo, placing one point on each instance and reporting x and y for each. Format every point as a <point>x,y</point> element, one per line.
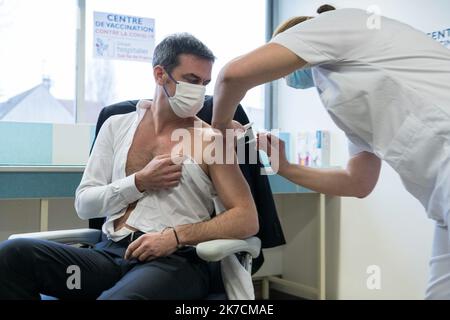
<point>123,37</point>
<point>443,36</point>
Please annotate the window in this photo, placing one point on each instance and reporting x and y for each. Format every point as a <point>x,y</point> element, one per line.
<point>37,60</point>
<point>41,53</point>
<point>228,32</point>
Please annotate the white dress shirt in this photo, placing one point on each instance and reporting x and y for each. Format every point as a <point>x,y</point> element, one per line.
<point>106,191</point>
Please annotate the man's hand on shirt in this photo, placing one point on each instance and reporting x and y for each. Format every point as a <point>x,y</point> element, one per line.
<point>162,172</point>
<point>152,245</point>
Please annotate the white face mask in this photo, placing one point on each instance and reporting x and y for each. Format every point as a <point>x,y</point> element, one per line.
<point>188,99</point>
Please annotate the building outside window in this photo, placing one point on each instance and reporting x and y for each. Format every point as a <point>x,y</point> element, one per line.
<point>37,60</point>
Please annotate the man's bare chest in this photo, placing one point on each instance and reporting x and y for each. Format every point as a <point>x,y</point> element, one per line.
<point>144,148</point>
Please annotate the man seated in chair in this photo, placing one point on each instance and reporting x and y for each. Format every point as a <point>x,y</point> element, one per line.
<point>157,206</point>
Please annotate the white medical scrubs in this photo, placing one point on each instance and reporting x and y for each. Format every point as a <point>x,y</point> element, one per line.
<point>388,89</point>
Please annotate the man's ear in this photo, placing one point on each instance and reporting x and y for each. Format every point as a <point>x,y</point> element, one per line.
<point>160,75</point>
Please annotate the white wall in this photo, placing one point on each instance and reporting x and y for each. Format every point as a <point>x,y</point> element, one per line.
<point>389,228</point>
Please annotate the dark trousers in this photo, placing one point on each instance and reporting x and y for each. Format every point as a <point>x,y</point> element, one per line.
<point>30,267</point>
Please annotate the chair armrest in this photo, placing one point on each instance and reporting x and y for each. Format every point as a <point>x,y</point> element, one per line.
<point>216,250</point>
<point>74,236</point>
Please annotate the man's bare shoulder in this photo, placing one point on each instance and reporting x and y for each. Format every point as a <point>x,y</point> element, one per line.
<point>200,142</point>
<point>205,130</point>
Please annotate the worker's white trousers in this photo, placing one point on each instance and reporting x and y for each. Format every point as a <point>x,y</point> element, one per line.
<point>439,278</point>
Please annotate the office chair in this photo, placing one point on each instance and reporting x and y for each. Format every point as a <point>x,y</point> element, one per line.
<point>249,250</point>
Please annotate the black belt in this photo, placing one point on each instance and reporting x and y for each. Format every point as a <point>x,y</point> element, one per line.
<point>133,236</point>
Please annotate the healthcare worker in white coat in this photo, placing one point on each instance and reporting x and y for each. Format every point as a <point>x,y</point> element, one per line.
<point>387,86</point>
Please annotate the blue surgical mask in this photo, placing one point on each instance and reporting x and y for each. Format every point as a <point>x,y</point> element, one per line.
<point>300,79</point>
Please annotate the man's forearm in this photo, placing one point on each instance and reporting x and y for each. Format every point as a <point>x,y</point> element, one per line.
<point>335,182</point>
<point>232,224</point>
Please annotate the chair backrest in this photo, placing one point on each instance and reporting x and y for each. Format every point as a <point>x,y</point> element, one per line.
<point>270,232</point>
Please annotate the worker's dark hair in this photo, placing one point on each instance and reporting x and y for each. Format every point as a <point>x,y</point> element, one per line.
<point>296,20</point>
<point>289,24</point>
<point>325,8</point>
<point>168,50</point>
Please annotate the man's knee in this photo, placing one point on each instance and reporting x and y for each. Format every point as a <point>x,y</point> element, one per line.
<point>16,251</point>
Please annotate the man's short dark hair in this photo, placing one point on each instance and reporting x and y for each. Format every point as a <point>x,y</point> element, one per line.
<point>167,51</point>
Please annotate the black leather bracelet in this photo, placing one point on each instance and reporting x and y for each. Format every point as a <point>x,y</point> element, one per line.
<point>179,245</point>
